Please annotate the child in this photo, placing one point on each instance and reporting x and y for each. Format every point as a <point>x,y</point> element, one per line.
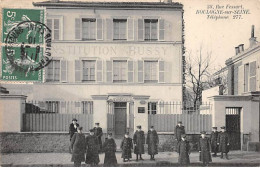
<point>92,146</point>
<point>184,151</point>
<point>204,149</point>
<point>126,147</point>
<point>109,148</point>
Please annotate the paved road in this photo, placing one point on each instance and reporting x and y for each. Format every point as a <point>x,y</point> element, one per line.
<point>237,158</point>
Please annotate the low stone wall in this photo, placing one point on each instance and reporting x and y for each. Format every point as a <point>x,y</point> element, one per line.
<point>59,142</point>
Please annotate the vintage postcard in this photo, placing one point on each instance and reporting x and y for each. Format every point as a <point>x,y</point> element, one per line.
<point>120,83</point>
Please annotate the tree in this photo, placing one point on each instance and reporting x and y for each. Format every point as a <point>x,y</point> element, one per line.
<point>198,72</point>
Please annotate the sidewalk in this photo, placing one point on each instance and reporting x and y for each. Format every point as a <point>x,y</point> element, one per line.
<point>236,158</point>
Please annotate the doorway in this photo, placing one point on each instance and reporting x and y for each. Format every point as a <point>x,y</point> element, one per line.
<point>233,127</point>
<point>120,118</point>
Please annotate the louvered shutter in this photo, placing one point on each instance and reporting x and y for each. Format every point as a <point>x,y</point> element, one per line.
<point>99,71</point>
<point>130,71</point>
<point>63,71</point>
<point>78,70</point>
<point>109,27</point>
<point>77,28</point>
<point>140,29</point>
<point>109,71</point>
<point>99,29</point>
<point>241,78</point>
<point>140,71</point>
<point>130,28</point>
<point>161,71</point>
<point>161,29</point>
<point>252,80</point>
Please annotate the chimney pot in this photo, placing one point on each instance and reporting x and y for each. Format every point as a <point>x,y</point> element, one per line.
<point>241,47</point>
<point>253,31</point>
<point>167,1</point>
<point>237,50</point>
<point>252,40</point>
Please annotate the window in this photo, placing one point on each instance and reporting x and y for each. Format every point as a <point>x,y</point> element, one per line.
<point>250,76</point>
<point>88,29</point>
<point>89,70</point>
<point>52,106</point>
<point>54,25</point>
<point>151,29</point>
<point>87,107</point>
<point>152,108</point>
<point>53,71</point>
<point>119,70</point>
<point>119,29</point>
<point>150,69</point>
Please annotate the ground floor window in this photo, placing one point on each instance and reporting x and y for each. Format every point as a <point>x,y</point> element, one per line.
<point>52,106</point>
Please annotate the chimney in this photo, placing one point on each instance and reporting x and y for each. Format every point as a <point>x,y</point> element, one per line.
<point>252,40</point>
<point>237,50</point>
<point>241,47</point>
<point>167,1</point>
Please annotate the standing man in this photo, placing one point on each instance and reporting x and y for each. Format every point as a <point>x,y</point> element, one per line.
<point>183,148</point>
<point>214,141</point>
<point>223,142</point>
<point>204,149</point>
<point>98,133</point>
<point>110,151</point>
<point>179,130</point>
<point>73,127</point>
<point>92,156</point>
<point>152,141</point>
<point>139,141</point>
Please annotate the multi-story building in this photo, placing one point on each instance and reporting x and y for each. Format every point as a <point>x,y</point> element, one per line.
<point>112,57</point>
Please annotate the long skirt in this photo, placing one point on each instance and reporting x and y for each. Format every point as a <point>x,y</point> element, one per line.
<point>110,159</point>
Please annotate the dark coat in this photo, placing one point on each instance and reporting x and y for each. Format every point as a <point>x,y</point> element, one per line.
<point>152,141</point>
<point>223,141</point>
<point>98,132</point>
<point>183,149</point>
<point>92,156</point>
<point>214,141</point>
<point>109,148</point>
<point>179,130</point>
<point>126,146</point>
<point>205,148</point>
<point>72,129</point>
<point>139,140</point>
<point>78,147</point>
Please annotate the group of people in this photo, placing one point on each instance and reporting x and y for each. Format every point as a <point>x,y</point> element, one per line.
<point>217,142</point>
<point>92,145</point>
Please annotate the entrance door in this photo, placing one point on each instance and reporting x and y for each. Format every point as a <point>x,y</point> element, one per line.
<point>120,118</point>
<point>233,127</point>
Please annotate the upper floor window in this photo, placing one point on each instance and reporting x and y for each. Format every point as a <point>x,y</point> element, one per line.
<point>250,76</point>
<point>119,29</point>
<point>151,71</point>
<point>119,70</point>
<point>88,70</point>
<point>53,71</point>
<point>88,29</point>
<point>55,24</point>
<point>151,29</point>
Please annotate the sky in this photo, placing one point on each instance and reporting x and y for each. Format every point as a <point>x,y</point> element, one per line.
<point>220,37</point>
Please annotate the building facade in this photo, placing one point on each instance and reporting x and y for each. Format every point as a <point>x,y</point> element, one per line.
<point>112,58</point>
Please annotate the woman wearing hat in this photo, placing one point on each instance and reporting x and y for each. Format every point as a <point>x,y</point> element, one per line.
<point>183,148</point>
<point>78,147</point>
<point>126,146</point>
<point>73,127</point>
<point>110,150</point>
<point>139,141</point>
<point>152,141</point>
<point>204,149</point>
<point>92,146</point>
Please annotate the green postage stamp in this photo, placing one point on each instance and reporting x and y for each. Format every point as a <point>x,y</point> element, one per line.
<point>26,48</point>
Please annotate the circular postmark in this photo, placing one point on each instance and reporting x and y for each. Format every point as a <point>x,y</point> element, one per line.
<point>28,47</point>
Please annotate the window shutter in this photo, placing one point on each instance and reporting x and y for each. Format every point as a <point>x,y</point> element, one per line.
<point>109,29</point>
<point>161,71</point>
<point>49,23</point>
<point>140,29</point>
<point>77,28</point>
<point>140,71</point>
<point>241,77</point>
<point>45,78</point>
<point>161,29</point>
<point>99,71</point>
<point>252,81</point>
<point>130,71</point>
<point>78,70</point>
<point>63,70</point>
<point>130,27</point>
<point>99,29</point>
<point>109,71</point>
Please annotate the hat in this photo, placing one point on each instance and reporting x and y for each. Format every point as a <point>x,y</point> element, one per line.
<point>74,119</point>
<point>203,132</point>
<point>91,130</point>
<point>223,127</point>
<point>127,133</point>
<point>151,126</point>
<point>109,134</point>
<point>139,127</point>
<point>80,128</point>
<point>97,123</point>
<point>214,128</point>
<point>183,136</point>
<point>180,122</point>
